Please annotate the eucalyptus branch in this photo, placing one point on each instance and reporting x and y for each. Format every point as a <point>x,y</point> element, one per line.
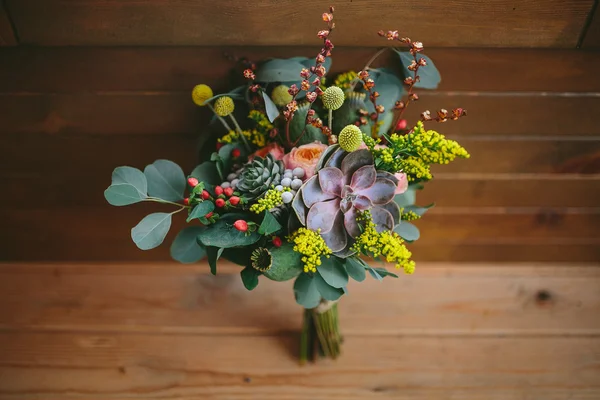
<point>367,66</point>
<point>157,200</point>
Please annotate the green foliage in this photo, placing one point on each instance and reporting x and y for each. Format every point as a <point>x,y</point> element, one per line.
<point>272,110</point>
<point>223,234</point>
<point>306,292</point>
<point>429,75</point>
<point>165,180</point>
<point>379,273</point>
<point>200,210</point>
<point>407,198</point>
<point>128,186</point>
<point>327,291</point>
<point>356,269</point>
<point>250,277</point>
<point>298,125</point>
<point>151,230</point>
<point>390,89</point>
<point>279,70</point>
<point>420,211</point>
<point>213,253</point>
<point>333,272</point>
<point>207,173</point>
<point>407,231</point>
<point>185,248</point>
<point>285,263</point>
<point>269,225</point>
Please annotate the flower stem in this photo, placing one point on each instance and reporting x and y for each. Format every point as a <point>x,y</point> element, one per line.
<point>240,133</point>
<point>157,200</point>
<point>330,119</point>
<point>225,124</point>
<point>371,60</point>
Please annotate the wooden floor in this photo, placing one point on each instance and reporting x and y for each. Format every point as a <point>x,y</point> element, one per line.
<point>166,331</point>
<point>505,303</point>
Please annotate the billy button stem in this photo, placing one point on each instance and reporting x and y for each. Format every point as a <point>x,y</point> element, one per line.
<point>333,98</point>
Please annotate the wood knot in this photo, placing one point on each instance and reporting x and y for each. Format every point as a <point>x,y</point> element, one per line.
<point>543,297</point>
<point>548,217</point>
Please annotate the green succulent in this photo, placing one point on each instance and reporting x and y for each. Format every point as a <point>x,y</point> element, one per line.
<point>258,176</point>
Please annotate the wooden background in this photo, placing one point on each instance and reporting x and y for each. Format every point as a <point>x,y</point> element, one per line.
<point>506,298</point>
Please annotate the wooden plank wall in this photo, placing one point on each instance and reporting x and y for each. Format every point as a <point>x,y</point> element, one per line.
<point>530,192</point>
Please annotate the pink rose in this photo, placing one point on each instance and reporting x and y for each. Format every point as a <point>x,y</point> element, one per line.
<point>402,182</point>
<point>305,157</point>
<point>273,149</point>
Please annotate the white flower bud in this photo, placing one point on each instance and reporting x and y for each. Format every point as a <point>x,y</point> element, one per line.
<point>287,197</point>
<point>286,182</point>
<point>296,183</point>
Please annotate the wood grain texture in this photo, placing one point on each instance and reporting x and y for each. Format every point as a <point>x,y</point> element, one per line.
<point>152,113</point>
<point>7,35</point>
<point>552,23</point>
<point>115,365</point>
<point>152,69</point>
<point>445,299</point>
<point>592,35</point>
<point>102,233</point>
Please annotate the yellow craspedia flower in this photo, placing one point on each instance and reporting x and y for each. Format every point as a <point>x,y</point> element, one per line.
<point>281,96</point>
<point>333,98</point>
<point>350,138</point>
<point>201,93</point>
<point>224,106</point>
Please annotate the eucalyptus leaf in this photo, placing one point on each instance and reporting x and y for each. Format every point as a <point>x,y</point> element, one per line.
<point>123,194</point>
<point>185,248</point>
<point>327,291</point>
<point>407,198</point>
<point>407,231</point>
<point>272,111</point>
<point>298,125</point>
<point>391,89</point>
<point>279,70</point>
<point>223,234</point>
<point>165,180</point>
<point>374,274</point>
<point>151,230</point>
<point>429,76</point>
<point>269,225</point>
<point>239,256</point>
<point>206,172</point>
<point>200,210</point>
<point>213,253</point>
<point>250,277</point>
<point>420,211</point>
<point>131,176</point>
<point>355,269</point>
<point>306,292</point>
<point>285,263</point>
<point>382,272</point>
<point>333,272</point>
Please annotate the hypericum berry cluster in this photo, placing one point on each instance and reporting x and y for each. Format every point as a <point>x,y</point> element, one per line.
<point>311,78</point>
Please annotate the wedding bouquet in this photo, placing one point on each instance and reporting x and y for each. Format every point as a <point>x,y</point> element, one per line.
<point>307,179</point>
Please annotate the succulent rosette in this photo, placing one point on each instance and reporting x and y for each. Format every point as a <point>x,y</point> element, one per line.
<point>347,185</point>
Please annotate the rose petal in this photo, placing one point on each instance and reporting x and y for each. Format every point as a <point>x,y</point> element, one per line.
<point>383,219</point>
<point>321,215</point>
<point>312,193</point>
<point>336,239</point>
<point>362,203</point>
<point>330,180</point>
<point>354,161</point>
<point>393,209</point>
<point>351,223</point>
<point>402,184</point>
<point>382,192</point>
<point>363,178</point>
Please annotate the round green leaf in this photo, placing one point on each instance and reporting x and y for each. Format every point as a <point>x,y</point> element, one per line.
<point>333,272</point>
<point>206,172</point>
<point>165,180</point>
<point>269,225</point>
<point>285,263</point>
<point>151,230</point>
<point>327,291</point>
<point>429,76</point>
<point>355,269</point>
<point>201,209</point>
<point>407,231</point>
<point>306,292</point>
<point>407,198</point>
<point>250,277</point>
<point>223,234</point>
<point>185,248</point>
<point>131,176</point>
<point>279,70</point>
<point>123,194</point>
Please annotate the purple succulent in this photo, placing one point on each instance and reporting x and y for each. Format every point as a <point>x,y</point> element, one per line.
<point>347,184</point>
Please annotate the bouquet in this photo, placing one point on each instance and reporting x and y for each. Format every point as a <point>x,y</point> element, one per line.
<point>310,176</point>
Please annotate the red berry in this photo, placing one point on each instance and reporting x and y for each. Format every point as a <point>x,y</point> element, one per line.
<point>234,200</point>
<point>228,192</point>
<point>218,190</point>
<point>210,214</point>
<point>186,201</point>
<point>241,225</point>
<point>235,153</point>
<point>277,241</point>
<point>193,182</point>
<point>205,195</point>
<point>401,125</point>
<point>220,203</point>
<point>219,145</point>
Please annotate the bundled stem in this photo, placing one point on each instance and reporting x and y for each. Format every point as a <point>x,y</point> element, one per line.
<point>320,332</point>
